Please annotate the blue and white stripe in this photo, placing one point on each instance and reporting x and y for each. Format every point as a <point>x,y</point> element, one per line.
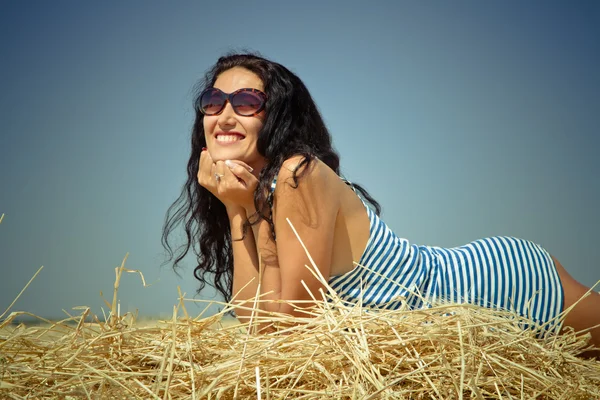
<point>497,272</point>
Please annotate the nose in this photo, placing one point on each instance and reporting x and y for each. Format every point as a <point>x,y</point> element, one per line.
<point>227,116</point>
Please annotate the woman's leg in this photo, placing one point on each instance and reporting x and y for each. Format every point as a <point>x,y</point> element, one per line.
<point>586,313</point>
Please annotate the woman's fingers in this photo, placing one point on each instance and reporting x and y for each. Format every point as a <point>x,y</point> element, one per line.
<point>236,185</point>
<point>205,158</point>
<point>234,163</point>
<point>241,170</point>
<point>230,181</point>
<point>220,174</point>
<point>228,178</point>
<point>206,171</point>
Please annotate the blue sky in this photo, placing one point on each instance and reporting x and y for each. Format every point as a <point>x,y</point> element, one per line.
<point>464,120</point>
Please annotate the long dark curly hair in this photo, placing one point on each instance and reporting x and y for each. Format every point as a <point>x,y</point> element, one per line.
<point>293,126</point>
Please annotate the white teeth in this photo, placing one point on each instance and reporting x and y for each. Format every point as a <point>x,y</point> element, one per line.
<point>228,138</point>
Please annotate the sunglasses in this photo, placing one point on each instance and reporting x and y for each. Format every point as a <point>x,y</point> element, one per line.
<point>245,102</point>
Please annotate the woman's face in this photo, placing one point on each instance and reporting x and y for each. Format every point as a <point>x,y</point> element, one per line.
<point>230,136</point>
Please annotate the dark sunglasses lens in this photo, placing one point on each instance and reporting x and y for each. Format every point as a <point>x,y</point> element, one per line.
<point>212,102</point>
<point>247,102</point>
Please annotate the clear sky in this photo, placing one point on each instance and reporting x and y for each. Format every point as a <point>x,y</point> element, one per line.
<point>463,119</point>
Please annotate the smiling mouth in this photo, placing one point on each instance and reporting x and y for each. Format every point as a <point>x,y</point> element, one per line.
<point>228,138</point>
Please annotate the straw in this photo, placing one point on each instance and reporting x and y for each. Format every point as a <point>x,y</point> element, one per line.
<point>338,351</point>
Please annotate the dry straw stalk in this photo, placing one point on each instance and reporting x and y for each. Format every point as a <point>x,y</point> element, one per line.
<point>338,351</point>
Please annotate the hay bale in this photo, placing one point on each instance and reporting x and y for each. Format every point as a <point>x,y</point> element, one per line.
<point>339,352</point>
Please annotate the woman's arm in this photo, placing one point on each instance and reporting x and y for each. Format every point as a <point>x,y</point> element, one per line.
<point>312,208</point>
<point>233,184</point>
<point>245,263</point>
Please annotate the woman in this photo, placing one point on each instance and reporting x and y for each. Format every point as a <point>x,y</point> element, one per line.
<point>261,154</point>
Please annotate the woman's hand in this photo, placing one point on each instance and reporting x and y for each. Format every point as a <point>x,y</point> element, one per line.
<point>230,181</point>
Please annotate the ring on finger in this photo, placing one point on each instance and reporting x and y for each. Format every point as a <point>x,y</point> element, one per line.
<point>218,177</point>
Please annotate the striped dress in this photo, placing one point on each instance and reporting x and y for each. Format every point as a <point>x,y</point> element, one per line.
<point>497,272</point>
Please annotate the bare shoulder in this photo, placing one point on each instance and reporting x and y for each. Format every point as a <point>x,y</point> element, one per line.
<point>315,175</point>
<point>307,193</point>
